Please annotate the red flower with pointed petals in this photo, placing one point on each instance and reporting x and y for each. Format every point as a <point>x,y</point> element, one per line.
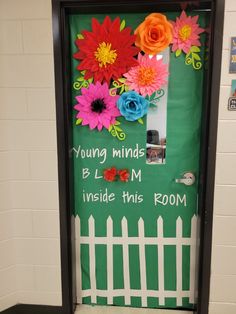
<point>110,174</point>
<point>124,175</point>
<point>106,52</point>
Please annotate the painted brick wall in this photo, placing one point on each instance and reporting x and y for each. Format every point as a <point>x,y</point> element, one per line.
<point>29,231</point>
<point>29,228</point>
<point>223,280</point>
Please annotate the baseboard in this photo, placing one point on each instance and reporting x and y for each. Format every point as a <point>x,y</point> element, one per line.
<point>34,309</point>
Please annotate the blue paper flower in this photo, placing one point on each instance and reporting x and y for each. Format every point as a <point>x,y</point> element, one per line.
<point>132,106</point>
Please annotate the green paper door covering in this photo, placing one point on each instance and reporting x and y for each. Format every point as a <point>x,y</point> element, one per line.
<point>139,254</point>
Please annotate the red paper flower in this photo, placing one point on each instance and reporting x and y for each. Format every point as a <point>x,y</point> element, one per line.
<point>106,52</point>
<point>110,174</point>
<point>124,175</point>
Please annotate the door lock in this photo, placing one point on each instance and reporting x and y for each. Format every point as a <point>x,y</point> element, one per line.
<point>187,179</point>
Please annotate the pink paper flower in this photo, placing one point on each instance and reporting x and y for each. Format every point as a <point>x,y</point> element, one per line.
<point>148,76</point>
<point>186,32</point>
<point>96,107</point>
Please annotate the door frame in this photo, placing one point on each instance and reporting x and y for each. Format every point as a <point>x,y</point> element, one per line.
<point>60,11</point>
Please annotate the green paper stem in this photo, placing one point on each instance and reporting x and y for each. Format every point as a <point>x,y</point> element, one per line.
<point>81,82</point>
<point>193,58</point>
<point>118,85</point>
<point>117,131</point>
<point>155,97</point>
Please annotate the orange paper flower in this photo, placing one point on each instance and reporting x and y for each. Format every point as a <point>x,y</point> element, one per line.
<point>154,34</point>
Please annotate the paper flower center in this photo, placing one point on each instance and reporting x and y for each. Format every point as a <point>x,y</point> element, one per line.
<point>132,105</point>
<point>146,76</point>
<point>105,55</point>
<point>185,32</point>
<point>154,35</point>
<point>98,105</point>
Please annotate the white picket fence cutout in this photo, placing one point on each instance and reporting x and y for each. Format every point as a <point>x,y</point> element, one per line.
<point>160,241</point>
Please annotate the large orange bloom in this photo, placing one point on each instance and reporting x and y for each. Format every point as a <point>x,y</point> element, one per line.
<point>106,52</point>
<point>154,34</point>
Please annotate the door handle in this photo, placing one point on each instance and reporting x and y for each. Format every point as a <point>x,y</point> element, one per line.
<point>187,179</point>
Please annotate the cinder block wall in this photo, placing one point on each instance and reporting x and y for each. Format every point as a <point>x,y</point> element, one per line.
<point>29,230</point>
<point>29,220</point>
<point>223,279</point>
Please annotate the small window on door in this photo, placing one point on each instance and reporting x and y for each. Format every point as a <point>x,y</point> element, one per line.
<point>157,121</point>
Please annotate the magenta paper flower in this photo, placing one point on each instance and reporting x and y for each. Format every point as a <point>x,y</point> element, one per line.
<point>148,76</point>
<point>186,32</point>
<point>96,107</point>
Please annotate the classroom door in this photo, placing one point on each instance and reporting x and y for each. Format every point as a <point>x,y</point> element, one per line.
<point>137,97</point>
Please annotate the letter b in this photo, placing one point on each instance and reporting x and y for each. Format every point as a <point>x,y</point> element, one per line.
<point>85,173</point>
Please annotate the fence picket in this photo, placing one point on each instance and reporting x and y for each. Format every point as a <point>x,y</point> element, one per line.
<point>160,252</point>
<point>142,262</point>
<point>109,261</point>
<point>193,259</point>
<point>78,262</point>
<point>92,259</point>
<point>179,258</point>
<point>124,226</point>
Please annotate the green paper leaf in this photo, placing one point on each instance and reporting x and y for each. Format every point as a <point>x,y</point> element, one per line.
<point>152,97</point>
<point>126,88</point>
<point>110,128</point>
<point>118,128</point>
<point>187,55</point>
<point>178,53</point>
<point>195,49</point>
<point>122,80</point>
<point>122,25</point>
<point>196,56</point>
<point>90,80</point>
<point>78,121</point>
<point>140,120</point>
<point>80,36</point>
<point>117,123</point>
<point>152,105</point>
<point>122,90</point>
<point>80,79</point>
